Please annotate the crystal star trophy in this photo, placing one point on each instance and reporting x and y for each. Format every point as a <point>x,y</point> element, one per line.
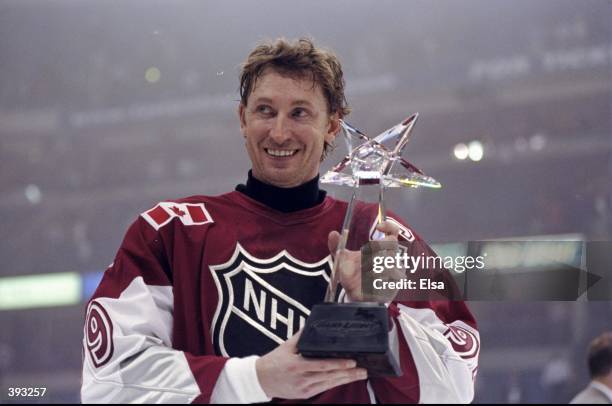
<point>360,330</point>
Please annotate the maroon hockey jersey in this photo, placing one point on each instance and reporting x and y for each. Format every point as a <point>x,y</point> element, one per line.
<point>202,279</point>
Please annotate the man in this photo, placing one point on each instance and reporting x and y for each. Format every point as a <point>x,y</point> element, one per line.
<point>599,359</point>
<point>206,296</point>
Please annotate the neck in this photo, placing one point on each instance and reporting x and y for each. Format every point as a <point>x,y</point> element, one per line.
<point>286,200</point>
<point>605,380</point>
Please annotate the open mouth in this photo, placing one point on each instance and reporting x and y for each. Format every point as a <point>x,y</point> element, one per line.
<point>281,153</point>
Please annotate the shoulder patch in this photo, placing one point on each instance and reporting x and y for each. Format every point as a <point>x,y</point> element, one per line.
<point>190,214</point>
<point>464,339</point>
<point>98,334</point>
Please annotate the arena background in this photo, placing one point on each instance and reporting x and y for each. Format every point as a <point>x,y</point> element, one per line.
<point>108,107</point>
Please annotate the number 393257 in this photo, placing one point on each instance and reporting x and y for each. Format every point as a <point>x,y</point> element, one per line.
<point>26,392</point>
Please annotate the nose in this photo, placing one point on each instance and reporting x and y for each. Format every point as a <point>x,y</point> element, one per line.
<point>280,131</point>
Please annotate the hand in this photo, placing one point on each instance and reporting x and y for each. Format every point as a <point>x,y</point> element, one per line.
<point>283,373</point>
<point>349,263</point>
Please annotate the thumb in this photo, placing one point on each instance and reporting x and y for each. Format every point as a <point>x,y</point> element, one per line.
<point>292,341</point>
<point>294,338</point>
<point>332,241</point>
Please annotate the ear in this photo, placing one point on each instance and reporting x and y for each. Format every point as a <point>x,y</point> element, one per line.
<point>333,127</point>
<point>241,117</point>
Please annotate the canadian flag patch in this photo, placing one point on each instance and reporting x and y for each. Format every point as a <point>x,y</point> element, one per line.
<point>190,214</point>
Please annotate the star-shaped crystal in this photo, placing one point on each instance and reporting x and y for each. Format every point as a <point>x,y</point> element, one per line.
<point>372,162</point>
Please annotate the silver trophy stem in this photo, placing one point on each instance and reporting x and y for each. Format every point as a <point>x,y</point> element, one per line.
<point>382,211</point>
<point>368,164</point>
<point>346,224</point>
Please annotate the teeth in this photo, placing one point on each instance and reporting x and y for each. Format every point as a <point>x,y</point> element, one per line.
<point>281,152</point>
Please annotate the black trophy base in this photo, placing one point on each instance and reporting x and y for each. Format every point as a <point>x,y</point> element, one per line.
<point>358,331</point>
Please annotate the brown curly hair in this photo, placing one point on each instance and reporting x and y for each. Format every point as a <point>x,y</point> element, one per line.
<point>600,355</point>
<point>299,59</point>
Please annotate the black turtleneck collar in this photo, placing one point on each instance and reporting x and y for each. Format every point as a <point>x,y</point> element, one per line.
<point>286,200</point>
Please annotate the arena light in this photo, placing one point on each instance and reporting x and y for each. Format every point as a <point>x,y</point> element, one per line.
<point>152,74</point>
<point>461,151</point>
<point>475,151</point>
<point>33,194</point>
<point>44,290</point>
<point>91,280</point>
<point>537,142</point>
<point>452,249</point>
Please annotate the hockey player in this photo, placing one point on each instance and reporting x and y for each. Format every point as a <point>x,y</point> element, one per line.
<point>206,296</point>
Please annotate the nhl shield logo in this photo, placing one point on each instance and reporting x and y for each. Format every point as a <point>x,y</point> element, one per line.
<point>263,302</point>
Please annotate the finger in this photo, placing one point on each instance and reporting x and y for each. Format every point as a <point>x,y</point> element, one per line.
<point>319,365</point>
<point>329,380</point>
<point>292,341</point>
<point>350,264</point>
<point>332,241</point>
<point>295,338</point>
<point>351,373</point>
<point>389,228</point>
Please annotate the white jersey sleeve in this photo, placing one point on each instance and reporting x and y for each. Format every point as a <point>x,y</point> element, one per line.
<point>438,340</point>
<point>445,356</point>
<point>128,337</point>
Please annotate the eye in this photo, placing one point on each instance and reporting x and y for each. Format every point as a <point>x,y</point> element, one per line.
<point>264,109</point>
<point>299,112</point>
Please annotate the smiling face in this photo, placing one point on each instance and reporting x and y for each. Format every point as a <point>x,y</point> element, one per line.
<point>286,124</point>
